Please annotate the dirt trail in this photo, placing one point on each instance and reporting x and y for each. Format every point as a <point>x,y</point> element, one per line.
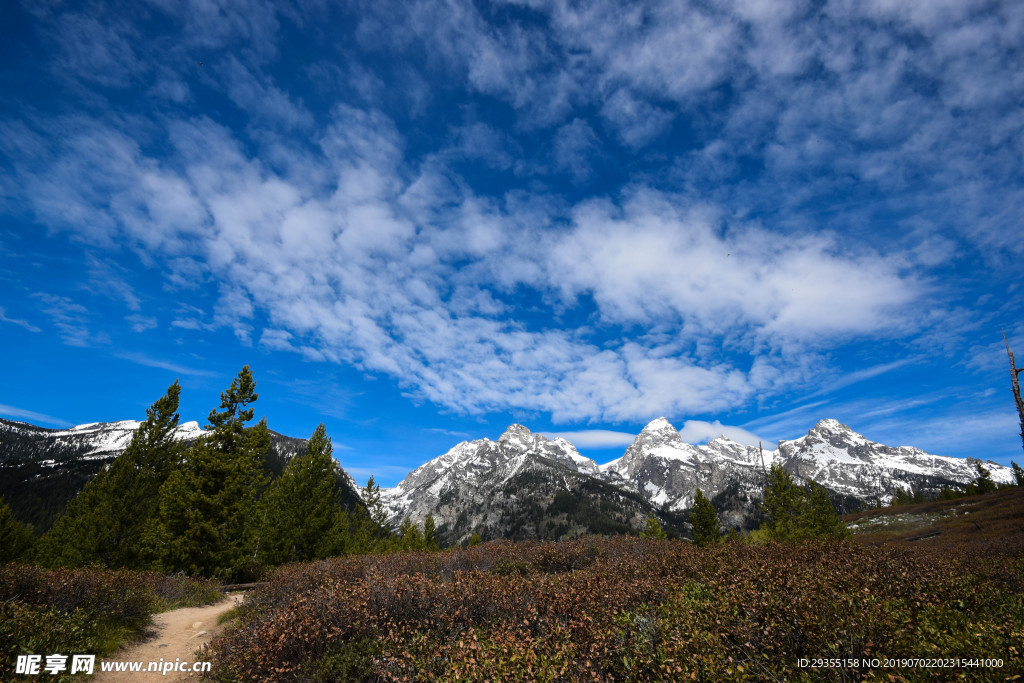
<point>179,633</point>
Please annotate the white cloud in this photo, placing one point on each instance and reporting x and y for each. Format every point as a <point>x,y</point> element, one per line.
<point>17,321</point>
<point>698,431</point>
<point>20,413</point>
<point>670,260</point>
<point>71,319</point>
<point>357,250</point>
<point>141,358</point>
<point>351,271</point>
<point>595,438</point>
<point>141,323</point>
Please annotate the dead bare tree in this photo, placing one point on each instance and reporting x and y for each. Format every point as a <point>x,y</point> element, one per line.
<point>1015,379</point>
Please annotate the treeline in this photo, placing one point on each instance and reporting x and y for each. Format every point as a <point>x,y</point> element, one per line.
<point>791,512</point>
<point>38,490</point>
<point>210,508</point>
<point>981,485</point>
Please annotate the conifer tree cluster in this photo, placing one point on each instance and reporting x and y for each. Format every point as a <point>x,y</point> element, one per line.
<point>106,522</point>
<point>704,518</point>
<point>16,538</point>
<point>794,512</point>
<point>211,508</point>
<point>981,485</point>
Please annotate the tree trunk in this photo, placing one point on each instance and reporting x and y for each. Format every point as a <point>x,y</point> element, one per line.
<point>1015,379</point>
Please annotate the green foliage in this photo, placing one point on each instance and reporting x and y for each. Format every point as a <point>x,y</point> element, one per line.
<point>378,516</point>
<point>793,512</point>
<point>820,518</point>
<point>209,521</point>
<point>16,538</point>
<point>475,539</point>
<point>983,484</point>
<point>105,523</point>
<point>302,506</point>
<point>1018,474</point>
<point>706,525</point>
<point>909,497</point>
<point>410,537</point>
<point>228,425</point>
<point>652,529</point>
<point>430,537</point>
<point>783,506</point>
<point>950,494</point>
<point>93,611</point>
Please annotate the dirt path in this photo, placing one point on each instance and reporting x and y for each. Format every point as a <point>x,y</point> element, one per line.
<point>179,633</point>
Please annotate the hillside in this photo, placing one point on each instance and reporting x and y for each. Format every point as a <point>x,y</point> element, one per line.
<point>991,517</point>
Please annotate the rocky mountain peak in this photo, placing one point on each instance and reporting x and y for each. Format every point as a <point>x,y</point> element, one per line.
<point>518,435</point>
<point>830,425</point>
<point>658,426</point>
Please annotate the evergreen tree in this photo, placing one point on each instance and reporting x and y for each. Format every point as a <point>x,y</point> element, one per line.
<point>475,539</point>
<point>105,523</point>
<point>368,525</point>
<point>783,505</point>
<point>706,525</point>
<point>1018,474</point>
<point>375,507</point>
<point>228,424</point>
<point>410,538</point>
<point>984,483</point>
<point>822,520</point>
<point>652,529</point>
<point>430,538</point>
<point>949,494</point>
<point>301,506</point>
<point>16,538</point>
<point>208,521</point>
<point>793,512</point>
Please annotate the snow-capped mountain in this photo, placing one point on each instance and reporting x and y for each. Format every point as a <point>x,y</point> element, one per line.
<point>93,441</point>
<point>476,479</point>
<point>846,462</point>
<point>523,485</point>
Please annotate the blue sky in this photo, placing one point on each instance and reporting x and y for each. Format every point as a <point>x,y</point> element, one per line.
<point>421,221</point>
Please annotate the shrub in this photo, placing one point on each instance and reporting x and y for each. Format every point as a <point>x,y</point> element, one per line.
<point>91,611</point>
<point>627,609</point>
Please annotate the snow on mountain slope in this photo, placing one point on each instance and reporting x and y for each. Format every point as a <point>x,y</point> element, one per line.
<point>95,440</point>
<point>841,459</point>
<point>659,440</point>
<point>478,464</point>
<point>666,472</point>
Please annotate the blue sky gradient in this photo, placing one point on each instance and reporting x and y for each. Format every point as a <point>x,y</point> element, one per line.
<point>421,221</point>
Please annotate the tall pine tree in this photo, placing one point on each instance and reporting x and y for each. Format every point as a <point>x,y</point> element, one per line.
<point>104,524</point>
<point>704,518</point>
<point>430,538</point>
<point>208,521</point>
<point>369,531</point>
<point>301,507</point>
<point>782,505</point>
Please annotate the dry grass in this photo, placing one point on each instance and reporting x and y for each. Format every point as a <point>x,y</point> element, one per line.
<point>626,609</point>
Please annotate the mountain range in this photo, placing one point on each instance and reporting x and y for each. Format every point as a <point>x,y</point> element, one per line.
<point>525,485</point>
<point>42,469</point>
